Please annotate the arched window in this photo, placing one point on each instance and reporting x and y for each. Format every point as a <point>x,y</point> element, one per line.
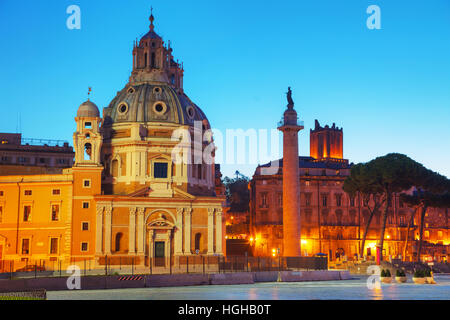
<point>198,239</point>
<point>145,60</point>
<point>118,240</point>
<point>87,151</point>
<point>153,60</point>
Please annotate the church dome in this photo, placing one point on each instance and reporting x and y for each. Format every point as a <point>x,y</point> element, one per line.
<point>152,102</point>
<point>88,109</point>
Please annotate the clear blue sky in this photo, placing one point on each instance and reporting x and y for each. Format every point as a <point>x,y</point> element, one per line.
<point>388,88</point>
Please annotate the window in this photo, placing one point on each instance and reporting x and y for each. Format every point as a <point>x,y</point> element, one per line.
<point>25,246</point>
<point>56,192</point>
<point>280,199</point>
<point>55,212</point>
<point>1,214</point>
<point>85,205</point>
<point>198,239</point>
<point>87,151</point>
<point>1,193</point>
<point>28,192</point>
<point>119,237</point>
<point>85,226</point>
<point>86,183</point>
<point>54,246</point>
<point>427,234</point>
<point>338,200</point>
<point>308,199</point>
<point>264,200</point>
<point>160,170</point>
<point>84,246</point>
<point>324,200</point>
<point>26,213</point>
<point>440,235</point>
<point>352,201</point>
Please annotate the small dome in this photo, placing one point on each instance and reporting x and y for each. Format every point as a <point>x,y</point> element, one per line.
<point>88,109</point>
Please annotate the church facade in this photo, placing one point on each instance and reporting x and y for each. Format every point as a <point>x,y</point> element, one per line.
<point>125,197</point>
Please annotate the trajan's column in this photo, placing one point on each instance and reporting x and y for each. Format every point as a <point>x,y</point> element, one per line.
<point>291,184</point>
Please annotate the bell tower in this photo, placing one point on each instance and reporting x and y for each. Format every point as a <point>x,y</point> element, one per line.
<point>87,139</point>
<point>290,126</point>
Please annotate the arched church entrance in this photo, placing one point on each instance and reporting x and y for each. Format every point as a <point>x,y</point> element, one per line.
<point>159,232</point>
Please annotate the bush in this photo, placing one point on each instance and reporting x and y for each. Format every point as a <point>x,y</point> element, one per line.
<point>385,273</point>
<point>419,274</point>
<point>400,273</point>
<point>428,273</point>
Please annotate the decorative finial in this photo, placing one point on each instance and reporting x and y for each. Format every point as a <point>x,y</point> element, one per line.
<point>89,92</point>
<point>152,18</point>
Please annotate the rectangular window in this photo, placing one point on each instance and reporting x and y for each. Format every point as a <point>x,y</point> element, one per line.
<point>85,205</point>
<point>28,192</point>
<point>280,200</point>
<point>55,212</point>
<point>56,192</point>
<point>84,246</point>
<point>54,246</point>
<point>88,125</point>
<point>25,246</point>
<point>339,200</point>
<point>352,201</point>
<point>160,170</point>
<point>264,200</point>
<point>308,199</point>
<point>1,193</point>
<point>87,183</point>
<point>324,200</point>
<point>85,226</point>
<point>440,234</point>
<point>1,214</point>
<point>26,213</point>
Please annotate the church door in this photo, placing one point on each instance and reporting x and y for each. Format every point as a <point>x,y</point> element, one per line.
<point>160,254</point>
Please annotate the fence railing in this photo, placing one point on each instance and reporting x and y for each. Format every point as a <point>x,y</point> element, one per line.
<point>126,265</point>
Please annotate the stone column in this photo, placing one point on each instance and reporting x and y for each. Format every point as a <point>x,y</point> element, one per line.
<point>210,230</point>
<point>179,232</point>
<point>108,218</point>
<point>140,231</point>
<point>187,230</point>
<point>99,231</point>
<point>132,232</point>
<point>219,231</point>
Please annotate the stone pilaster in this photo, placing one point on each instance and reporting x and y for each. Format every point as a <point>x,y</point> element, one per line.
<point>108,222</point>
<point>187,230</point>
<point>99,231</point>
<point>179,232</point>
<point>210,230</point>
<point>140,231</point>
<point>132,232</point>
<point>219,231</point>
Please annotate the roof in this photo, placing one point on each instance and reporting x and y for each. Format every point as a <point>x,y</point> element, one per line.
<point>312,163</point>
<point>152,102</point>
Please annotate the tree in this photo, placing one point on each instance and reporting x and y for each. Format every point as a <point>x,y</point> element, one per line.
<point>393,173</point>
<point>237,193</point>
<point>361,182</point>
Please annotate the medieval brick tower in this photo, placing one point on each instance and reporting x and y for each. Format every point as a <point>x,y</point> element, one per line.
<point>326,142</point>
<point>290,127</point>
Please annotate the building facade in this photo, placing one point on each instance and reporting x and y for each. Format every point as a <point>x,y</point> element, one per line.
<point>33,156</point>
<point>124,197</point>
<point>331,221</point>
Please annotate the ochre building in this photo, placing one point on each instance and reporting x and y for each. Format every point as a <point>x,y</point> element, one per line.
<point>124,197</point>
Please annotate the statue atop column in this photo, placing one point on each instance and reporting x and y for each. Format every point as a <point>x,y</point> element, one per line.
<point>289,98</point>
